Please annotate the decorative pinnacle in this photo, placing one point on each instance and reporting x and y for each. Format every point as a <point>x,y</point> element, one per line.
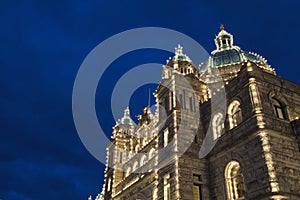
<point>126,112</point>
<point>222,27</point>
<point>178,50</point>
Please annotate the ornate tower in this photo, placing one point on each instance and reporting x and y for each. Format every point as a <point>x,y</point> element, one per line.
<point>118,151</point>
<point>178,97</point>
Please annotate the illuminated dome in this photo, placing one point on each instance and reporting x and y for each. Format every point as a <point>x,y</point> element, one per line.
<point>179,56</point>
<point>228,54</point>
<point>126,119</point>
<point>235,56</point>
<point>180,62</point>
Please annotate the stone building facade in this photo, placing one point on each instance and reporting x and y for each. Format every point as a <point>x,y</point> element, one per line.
<point>229,130</point>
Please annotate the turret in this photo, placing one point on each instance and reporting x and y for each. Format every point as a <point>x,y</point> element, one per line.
<point>118,151</point>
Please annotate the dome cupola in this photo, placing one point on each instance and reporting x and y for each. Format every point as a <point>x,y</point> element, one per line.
<point>180,62</point>
<point>223,40</point>
<point>179,56</point>
<point>126,119</point>
<point>124,126</point>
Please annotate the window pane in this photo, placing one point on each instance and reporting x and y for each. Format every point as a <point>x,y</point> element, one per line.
<point>167,103</point>
<point>196,191</point>
<point>181,101</point>
<point>167,192</point>
<point>121,157</point>
<point>234,181</point>
<point>276,102</point>
<point>197,178</point>
<point>279,110</point>
<point>166,137</point>
<point>279,113</point>
<point>191,104</point>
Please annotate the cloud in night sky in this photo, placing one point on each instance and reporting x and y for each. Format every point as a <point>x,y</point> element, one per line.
<point>43,44</point>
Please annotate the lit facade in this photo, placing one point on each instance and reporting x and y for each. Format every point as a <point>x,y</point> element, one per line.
<point>255,137</point>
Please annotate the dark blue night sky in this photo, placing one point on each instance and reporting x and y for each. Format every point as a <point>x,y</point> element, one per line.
<point>43,44</point>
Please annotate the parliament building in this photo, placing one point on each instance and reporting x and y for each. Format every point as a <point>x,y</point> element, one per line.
<point>227,130</point>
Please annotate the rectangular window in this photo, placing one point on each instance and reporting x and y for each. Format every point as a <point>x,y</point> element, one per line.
<point>194,102</point>
<point>197,192</point>
<point>196,138</point>
<point>197,179</point>
<point>191,103</point>
<point>279,112</point>
<point>184,105</point>
<point>110,158</point>
<point>166,137</point>
<point>181,101</point>
<point>166,103</point>
<point>108,184</point>
<point>195,134</point>
<point>167,190</point>
<point>121,157</point>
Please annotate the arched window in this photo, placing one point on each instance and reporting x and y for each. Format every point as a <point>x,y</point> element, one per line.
<point>128,171</point>
<point>166,137</point>
<point>234,181</point>
<point>143,160</point>
<point>135,166</point>
<point>151,153</point>
<point>140,196</point>
<point>167,189</point>
<point>278,109</point>
<point>217,125</point>
<point>121,157</point>
<point>234,114</point>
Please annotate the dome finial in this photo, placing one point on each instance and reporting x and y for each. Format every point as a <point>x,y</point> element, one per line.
<point>178,50</point>
<point>222,27</point>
